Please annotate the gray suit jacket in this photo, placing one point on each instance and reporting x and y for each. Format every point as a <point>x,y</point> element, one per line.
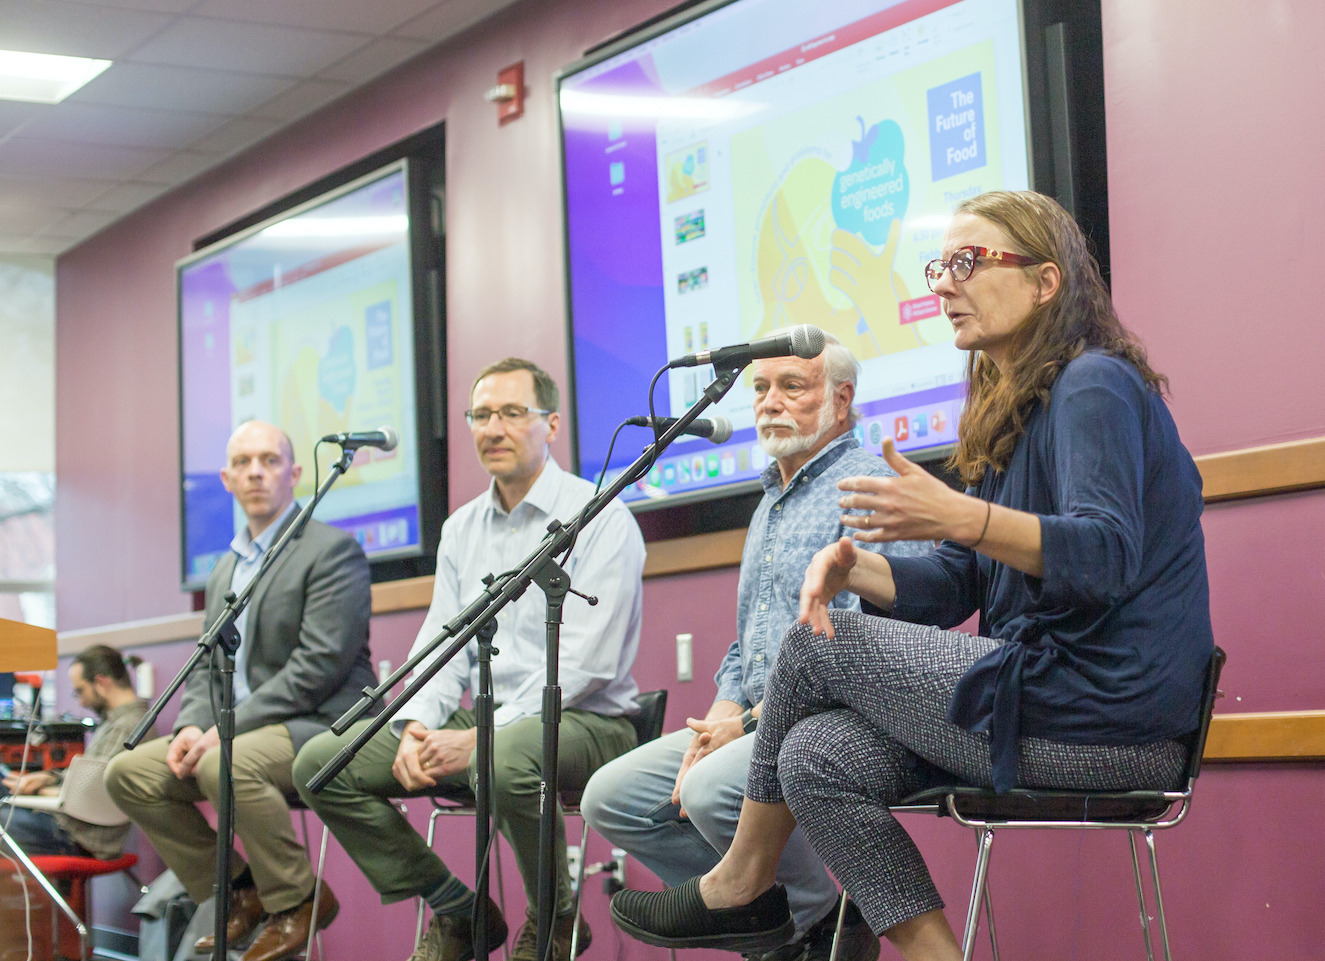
<point>308,659</point>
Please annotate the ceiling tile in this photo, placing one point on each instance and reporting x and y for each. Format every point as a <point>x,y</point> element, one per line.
<point>377,17</point>
<point>75,29</point>
<point>128,196</point>
<point>14,114</point>
<point>247,47</point>
<point>29,220</point>
<point>20,156</point>
<point>179,167</point>
<point>376,58</point>
<point>448,18</point>
<point>237,134</point>
<point>95,123</point>
<point>81,223</point>
<point>128,84</point>
<point>162,6</point>
<point>50,191</point>
<point>47,245</point>
<point>301,99</point>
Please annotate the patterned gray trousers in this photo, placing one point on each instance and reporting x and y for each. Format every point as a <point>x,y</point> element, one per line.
<point>856,723</point>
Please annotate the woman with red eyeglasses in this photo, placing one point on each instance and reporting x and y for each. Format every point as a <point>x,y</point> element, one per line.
<point>1078,542</point>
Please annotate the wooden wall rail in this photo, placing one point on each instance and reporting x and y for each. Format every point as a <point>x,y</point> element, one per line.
<point>1268,736</point>
<point>1255,472</point>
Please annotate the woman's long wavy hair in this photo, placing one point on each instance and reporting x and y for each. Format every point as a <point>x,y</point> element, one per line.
<point>1078,318</point>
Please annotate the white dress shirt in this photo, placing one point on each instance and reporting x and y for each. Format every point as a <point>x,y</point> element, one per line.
<point>598,644</point>
<point>251,550</point>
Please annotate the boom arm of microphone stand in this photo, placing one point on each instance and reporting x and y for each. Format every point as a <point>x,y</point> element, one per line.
<point>488,605</point>
<point>371,695</point>
<point>224,627</point>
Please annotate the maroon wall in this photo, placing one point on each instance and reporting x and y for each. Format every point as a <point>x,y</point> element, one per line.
<point>1213,158</point>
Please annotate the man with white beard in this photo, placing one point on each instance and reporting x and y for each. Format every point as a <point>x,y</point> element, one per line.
<point>674,802</point>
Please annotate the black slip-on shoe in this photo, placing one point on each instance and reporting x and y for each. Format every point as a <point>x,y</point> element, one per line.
<point>678,918</point>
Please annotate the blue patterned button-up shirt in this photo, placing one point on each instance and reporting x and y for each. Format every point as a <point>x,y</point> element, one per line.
<point>789,527</point>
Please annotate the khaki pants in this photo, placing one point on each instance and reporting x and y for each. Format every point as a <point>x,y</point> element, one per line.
<point>388,850</point>
<point>165,808</point>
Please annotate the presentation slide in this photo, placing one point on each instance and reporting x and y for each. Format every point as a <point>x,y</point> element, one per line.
<point>308,324</point>
<point>779,162</point>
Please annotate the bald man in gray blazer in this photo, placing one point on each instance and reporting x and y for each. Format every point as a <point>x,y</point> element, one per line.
<point>302,662</point>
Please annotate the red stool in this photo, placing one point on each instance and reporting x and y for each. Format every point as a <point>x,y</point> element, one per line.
<point>74,872</point>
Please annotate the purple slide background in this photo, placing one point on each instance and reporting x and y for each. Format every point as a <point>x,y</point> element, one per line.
<point>620,335</point>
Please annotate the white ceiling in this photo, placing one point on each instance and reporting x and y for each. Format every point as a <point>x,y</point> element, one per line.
<point>193,82</point>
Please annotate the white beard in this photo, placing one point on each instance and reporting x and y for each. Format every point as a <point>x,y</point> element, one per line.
<point>796,442</point>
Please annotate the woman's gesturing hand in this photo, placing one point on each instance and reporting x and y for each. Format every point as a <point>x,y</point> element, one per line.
<point>827,576</point>
<point>913,506</point>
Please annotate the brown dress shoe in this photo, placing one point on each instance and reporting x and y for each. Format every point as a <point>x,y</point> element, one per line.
<point>450,937</point>
<point>286,932</point>
<point>526,942</point>
<point>245,913</point>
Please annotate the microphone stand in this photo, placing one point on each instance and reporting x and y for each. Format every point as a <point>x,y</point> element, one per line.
<point>539,568</point>
<point>223,635</point>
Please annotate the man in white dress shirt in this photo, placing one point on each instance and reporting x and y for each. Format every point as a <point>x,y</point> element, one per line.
<point>513,417</point>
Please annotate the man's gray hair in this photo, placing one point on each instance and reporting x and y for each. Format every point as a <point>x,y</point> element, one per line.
<point>840,367</point>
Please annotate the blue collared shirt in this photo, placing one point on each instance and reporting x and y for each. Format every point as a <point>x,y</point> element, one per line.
<point>789,527</point>
<point>250,550</point>
<point>598,644</point>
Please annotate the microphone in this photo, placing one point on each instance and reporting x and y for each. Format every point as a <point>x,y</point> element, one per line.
<point>384,438</point>
<point>804,341</point>
<point>717,429</point>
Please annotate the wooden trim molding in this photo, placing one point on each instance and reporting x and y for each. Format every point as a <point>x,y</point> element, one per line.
<point>1267,736</point>
<point>409,594</point>
<point>1258,471</point>
<point>702,552</point>
<point>153,630</point>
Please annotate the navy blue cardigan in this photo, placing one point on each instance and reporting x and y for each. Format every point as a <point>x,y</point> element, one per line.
<point>1110,646</point>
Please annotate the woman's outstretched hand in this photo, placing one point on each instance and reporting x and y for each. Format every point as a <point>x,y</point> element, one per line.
<point>913,506</point>
<point>827,576</point>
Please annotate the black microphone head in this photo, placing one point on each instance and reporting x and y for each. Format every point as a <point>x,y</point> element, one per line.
<point>392,438</point>
<point>807,341</point>
<point>722,429</point>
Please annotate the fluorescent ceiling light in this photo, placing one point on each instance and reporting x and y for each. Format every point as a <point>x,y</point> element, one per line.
<point>44,77</point>
<point>337,226</point>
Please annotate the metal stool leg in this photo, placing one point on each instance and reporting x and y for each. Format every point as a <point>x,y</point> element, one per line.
<point>1159,897</point>
<point>837,932</point>
<point>977,894</point>
<point>579,889</point>
<point>418,923</point>
<point>313,932</point>
<point>1141,897</point>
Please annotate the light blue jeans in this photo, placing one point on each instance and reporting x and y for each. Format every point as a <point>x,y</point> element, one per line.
<point>629,802</point>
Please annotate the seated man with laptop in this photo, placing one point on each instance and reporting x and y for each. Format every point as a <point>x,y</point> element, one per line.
<point>38,816</point>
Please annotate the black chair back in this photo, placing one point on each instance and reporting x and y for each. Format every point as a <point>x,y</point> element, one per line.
<point>652,711</point>
<point>1208,697</point>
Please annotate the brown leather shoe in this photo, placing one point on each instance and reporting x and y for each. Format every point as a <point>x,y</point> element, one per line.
<point>526,942</point>
<point>245,913</point>
<point>286,932</point>
<point>450,937</point>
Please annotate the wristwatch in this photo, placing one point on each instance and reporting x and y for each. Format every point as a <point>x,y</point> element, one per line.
<point>748,721</point>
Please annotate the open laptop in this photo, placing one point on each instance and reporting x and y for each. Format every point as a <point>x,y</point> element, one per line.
<point>82,795</point>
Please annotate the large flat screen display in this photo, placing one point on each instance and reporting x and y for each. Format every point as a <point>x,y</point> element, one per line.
<point>767,163</point>
<point>305,321</point>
